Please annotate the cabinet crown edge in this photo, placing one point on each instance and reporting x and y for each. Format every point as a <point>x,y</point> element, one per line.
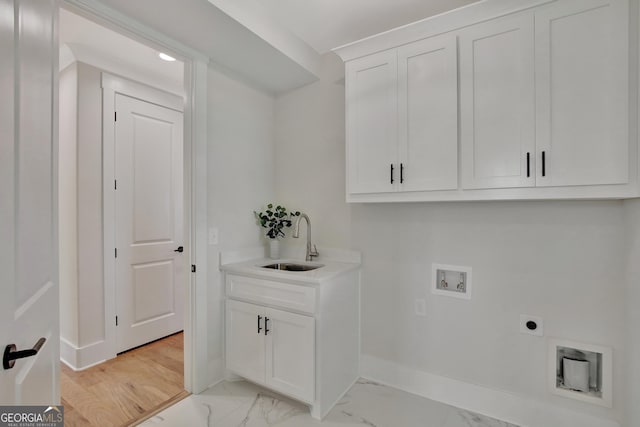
<point>434,25</point>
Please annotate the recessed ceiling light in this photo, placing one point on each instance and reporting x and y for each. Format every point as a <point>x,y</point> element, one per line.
<point>166,57</point>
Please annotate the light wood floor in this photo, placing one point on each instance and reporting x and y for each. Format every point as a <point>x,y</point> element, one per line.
<point>125,389</point>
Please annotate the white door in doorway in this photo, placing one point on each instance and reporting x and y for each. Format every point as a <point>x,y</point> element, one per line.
<point>28,191</point>
<point>149,221</point>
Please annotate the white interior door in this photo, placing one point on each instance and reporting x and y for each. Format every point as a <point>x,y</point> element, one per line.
<point>149,222</point>
<point>28,231</point>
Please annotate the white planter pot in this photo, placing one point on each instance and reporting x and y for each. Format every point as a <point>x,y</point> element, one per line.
<point>274,248</point>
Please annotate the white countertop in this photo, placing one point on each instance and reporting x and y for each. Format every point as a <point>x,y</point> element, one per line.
<point>253,268</point>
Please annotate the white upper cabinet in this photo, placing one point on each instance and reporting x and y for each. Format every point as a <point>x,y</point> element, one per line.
<point>372,130</point>
<point>497,103</point>
<point>428,114</point>
<point>582,92</point>
<point>402,119</point>
<point>499,100</point>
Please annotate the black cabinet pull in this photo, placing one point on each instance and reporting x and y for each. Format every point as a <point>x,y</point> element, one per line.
<point>266,325</point>
<point>391,173</point>
<point>544,164</point>
<point>401,173</point>
<point>11,354</point>
<point>528,165</point>
<point>259,327</point>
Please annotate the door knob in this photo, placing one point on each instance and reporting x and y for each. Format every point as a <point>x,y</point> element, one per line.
<point>180,249</point>
<point>11,354</point>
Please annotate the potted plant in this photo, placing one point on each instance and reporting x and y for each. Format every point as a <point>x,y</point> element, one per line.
<point>275,220</point>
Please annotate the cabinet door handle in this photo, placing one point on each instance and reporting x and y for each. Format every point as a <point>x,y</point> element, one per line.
<point>528,165</point>
<point>544,164</point>
<point>391,173</point>
<point>401,173</point>
<point>266,325</point>
<point>259,327</point>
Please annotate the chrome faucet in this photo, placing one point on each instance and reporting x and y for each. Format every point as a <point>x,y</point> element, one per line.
<point>296,234</point>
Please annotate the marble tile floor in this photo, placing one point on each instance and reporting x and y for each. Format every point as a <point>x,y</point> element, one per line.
<point>242,404</point>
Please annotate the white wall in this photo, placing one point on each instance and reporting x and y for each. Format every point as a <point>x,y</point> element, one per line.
<point>90,247</point>
<point>68,204</point>
<point>240,180</point>
<point>81,260</point>
<point>310,163</point>
<point>632,223</point>
<point>558,260</point>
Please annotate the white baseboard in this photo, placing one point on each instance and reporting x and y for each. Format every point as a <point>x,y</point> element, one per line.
<point>497,404</point>
<point>81,358</point>
<point>330,407</point>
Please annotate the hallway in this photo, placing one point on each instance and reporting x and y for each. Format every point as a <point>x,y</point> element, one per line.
<point>125,389</point>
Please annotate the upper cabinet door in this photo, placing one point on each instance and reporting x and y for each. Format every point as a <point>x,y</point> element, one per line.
<point>498,103</point>
<point>372,129</point>
<point>582,92</point>
<point>428,114</point>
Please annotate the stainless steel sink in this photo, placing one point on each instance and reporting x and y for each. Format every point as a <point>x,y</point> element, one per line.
<point>290,266</point>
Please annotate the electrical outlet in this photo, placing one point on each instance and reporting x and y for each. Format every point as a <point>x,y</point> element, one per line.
<point>420,307</point>
<point>213,235</point>
<point>531,325</point>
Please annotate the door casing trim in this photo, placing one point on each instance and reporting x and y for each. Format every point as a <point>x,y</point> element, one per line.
<point>196,378</point>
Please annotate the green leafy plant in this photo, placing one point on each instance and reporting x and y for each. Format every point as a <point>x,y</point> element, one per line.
<point>275,220</point>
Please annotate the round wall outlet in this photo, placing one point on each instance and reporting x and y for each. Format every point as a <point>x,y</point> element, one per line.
<point>531,325</point>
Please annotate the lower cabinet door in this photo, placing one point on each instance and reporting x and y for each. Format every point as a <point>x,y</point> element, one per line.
<point>290,358</point>
<point>245,340</point>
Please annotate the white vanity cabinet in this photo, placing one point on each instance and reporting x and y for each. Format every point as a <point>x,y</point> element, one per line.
<point>540,92</point>
<point>272,347</point>
<point>296,333</point>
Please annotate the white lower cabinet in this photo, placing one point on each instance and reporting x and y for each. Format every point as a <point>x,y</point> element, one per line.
<point>246,340</point>
<point>290,356</point>
<point>300,340</point>
<point>272,347</point>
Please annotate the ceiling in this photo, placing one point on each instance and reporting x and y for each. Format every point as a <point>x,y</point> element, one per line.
<point>275,45</point>
<point>91,43</point>
<point>326,24</point>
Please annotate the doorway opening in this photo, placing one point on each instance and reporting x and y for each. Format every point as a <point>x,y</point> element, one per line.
<point>102,290</point>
